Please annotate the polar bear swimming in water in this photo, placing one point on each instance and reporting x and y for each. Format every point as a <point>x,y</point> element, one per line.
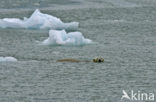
<point>95,60</point>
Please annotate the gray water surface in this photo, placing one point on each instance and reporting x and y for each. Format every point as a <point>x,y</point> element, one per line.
<point>125,32</point>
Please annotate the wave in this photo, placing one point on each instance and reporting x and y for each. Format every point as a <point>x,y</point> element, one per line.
<point>38,20</point>
<point>62,38</point>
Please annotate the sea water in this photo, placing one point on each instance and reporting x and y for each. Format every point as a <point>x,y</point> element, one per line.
<point>125,34</point>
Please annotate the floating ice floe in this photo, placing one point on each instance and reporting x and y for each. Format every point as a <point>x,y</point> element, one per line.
<point>62,38</point>
<point>38,20</point>
<point>8,59</point>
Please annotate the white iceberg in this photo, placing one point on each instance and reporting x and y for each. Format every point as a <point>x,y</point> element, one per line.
<point>8,59</point>
<point>62,38</point>
<point>38,20</point>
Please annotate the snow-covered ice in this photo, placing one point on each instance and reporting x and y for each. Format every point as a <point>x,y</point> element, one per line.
<point>8,59</point>
<point>62,38</point>
<point>38,20</point>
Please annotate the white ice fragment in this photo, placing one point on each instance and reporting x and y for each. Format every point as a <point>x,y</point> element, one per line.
<point>62,38</point>
<point>8,59</point>
<point>38,20</point>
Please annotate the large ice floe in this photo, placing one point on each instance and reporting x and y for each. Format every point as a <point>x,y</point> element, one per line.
<point>63,38</point>
<point>38,20</point>
<point>8,59</point>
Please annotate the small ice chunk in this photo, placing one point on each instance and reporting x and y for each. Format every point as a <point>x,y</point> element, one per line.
<point>62,38</point>
<point>8,59</point>
<point>38,20</point>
